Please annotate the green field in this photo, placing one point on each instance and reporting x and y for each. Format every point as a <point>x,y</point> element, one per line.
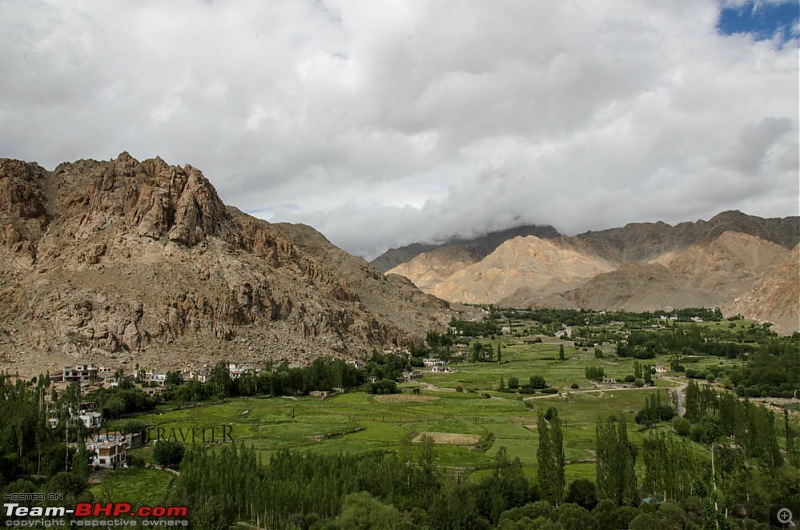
<point>146,486</point>
<point>358,422</point>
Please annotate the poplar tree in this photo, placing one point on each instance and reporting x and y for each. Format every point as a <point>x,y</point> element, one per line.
<point>550,457</point>
<point>616,479</point>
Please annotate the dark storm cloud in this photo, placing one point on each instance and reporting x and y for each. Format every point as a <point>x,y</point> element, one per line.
<point>386,122</point>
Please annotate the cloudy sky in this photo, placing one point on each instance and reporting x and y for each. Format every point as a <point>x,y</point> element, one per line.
<point>384,122</point>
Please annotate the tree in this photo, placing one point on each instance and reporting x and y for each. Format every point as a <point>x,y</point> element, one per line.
<point>499,353</point>
<point>583,492</point>
<point>550,457</point>
<point>537,381</point>
<point>561,352</point>
<point>168,453</point>
<point>513,382</point>
<point>616,479</point>
<point>791,440</point>
<point>360,511</point>
<point>174,378</point>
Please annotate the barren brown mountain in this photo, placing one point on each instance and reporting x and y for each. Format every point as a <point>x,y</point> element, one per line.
<point>127,262</point>
<point>642,266</point>
<point>542,266</point>
<point>775,297</point>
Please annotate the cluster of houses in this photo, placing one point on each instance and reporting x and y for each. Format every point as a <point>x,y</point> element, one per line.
<point>152,383</point>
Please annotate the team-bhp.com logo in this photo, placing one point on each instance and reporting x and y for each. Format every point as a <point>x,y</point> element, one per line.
<point>114,514</point>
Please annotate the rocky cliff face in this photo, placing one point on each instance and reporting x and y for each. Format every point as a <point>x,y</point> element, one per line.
<point>140,262</point>
<point>730,261</point>
<point>775,297</point>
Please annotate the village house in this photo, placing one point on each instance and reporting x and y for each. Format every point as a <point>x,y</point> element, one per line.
<point>80,373</point>
<point>355,363</point>
<point>108,451</point>
<point>159,380</point>
<point>433,362</point>
<point>91,419</point>
<point>238,370</point>
<point>203,375</point>
<point>411,376</point>
<point>660,369</point>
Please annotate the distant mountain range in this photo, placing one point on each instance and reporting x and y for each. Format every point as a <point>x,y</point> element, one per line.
<point>744,264</point>
<point>127,262</point>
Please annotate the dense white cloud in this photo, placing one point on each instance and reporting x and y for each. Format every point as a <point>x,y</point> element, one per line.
<point>386,122</point>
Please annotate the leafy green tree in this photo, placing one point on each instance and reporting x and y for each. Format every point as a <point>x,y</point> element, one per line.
<point>550,458</point>
<point>616,479</point>
<point>360,511</point>
<point>168,453</point>
<point>537,381</point>
<point>583,492</point>
<point>513,382</point>
<point>561,352</point>
<point>573,517</point>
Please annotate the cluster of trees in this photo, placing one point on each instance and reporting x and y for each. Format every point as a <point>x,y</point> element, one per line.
<point>595,373</point>
<point>35,432</point>
<point>722,418</point>
<point>467,328</point>
<point>115,402</point>
<point>774,371</point>
<point>320,374</point>
<point>484,353</point>
<point>683,340</point>
<point>654,411</point>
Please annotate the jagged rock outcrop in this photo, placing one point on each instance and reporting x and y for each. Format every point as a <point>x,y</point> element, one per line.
<point>140,262</point>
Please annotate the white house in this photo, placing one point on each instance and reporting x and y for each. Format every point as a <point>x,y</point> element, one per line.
<point>108,452</point>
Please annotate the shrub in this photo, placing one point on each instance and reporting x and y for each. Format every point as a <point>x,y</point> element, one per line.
<point>574,386</point>
<point>168,453</point>
<point>537,381</point>
<point>681,426</point>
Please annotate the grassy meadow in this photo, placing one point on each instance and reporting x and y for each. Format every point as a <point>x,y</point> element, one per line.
<point>359,422</point>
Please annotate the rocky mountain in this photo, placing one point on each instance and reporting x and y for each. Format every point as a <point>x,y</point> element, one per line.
<point>645,241</point>
<point>476,248</point>
<point>774,297</point>
<point>731,261</point>
<point>521,264</point>
<point>127,262</point>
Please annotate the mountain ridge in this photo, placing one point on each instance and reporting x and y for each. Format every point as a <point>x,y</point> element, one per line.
<point>648,266</point>
<point>126,262</point>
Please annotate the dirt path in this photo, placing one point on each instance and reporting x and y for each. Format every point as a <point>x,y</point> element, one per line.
<point>680,391</point>
<point>434,388</point>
